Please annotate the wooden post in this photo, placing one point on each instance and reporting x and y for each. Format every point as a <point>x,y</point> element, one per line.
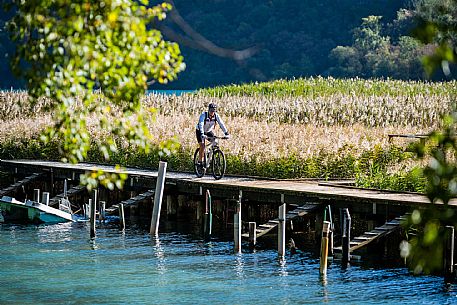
<point>51,192</point>
<point>45,198</point>
<point>448,258</point>
<point>252,235</point>
<point>208,217</point>
<point>181,202</point>
<point>171,206</point>
<point>121,217</point>
<point>65,188</point>
<point>102,210</point>
<point>36,195</point>
<point>324,248</point>
<point>158,198</point>
<point>237,225</point>
<point>92,218</point>
<point>331,229</point>
<point>346,237</point>
<point>282,231</point>
<point>199,211</point>
<point>96,203</point>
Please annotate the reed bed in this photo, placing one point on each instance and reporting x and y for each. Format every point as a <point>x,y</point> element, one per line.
<point>318,128</point>
<point>423,111</point>
<point>16,103</point>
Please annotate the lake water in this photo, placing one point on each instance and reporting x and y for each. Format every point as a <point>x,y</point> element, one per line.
<point>60,264</point>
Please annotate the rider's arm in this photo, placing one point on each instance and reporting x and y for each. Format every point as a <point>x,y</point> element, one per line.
<point>221,123</point>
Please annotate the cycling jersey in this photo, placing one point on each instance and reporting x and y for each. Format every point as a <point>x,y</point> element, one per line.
<point>206,124</point>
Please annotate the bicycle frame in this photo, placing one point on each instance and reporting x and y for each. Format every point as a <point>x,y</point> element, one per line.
<point>209,149</point>
<point>210,152</point>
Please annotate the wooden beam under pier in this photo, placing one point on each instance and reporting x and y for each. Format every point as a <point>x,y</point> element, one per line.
<point>113,210</point>
<point>12,188</point>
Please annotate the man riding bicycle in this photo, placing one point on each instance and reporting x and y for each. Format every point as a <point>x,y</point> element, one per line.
<point>205,126</point>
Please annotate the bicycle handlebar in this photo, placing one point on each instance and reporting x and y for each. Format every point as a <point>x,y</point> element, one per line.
<point>218,137</point>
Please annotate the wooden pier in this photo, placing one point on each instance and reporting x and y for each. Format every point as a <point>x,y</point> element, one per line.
<point>301,196</point>
<point>265,190</point>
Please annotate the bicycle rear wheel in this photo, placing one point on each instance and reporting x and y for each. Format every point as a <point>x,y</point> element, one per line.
<point>219,164</point>
<point>198,168</point>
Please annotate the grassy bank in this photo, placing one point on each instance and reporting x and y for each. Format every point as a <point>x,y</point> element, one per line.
<point>338,131</point>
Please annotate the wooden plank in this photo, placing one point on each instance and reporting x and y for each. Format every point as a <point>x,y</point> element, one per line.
<point>371,236</point>
<point>129,202</point>
<point>271,224</point>
<point>71,192</point>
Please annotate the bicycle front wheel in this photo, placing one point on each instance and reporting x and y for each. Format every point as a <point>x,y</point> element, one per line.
<point>199,169</point>
<point>219,164</point>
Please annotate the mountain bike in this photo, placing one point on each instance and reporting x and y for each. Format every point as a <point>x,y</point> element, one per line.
<point>213,157</point>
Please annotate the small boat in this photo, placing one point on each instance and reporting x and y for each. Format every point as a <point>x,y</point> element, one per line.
<point>16,211</point>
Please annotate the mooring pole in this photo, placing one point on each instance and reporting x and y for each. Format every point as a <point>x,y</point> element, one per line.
<point>45,198</point>
<point>92,218</point>
<point>121,217</point>
<point>252,235</point>
<point>52,183</point>
<point>237,224</point>
<point>330,234</point>
<point>448,253</point>
<point>158,198</point>
<point>324,248</point>
<point>96,203</point>
<point>65,188</point>
<point>208,217</point>
<point>36,195</point>
<point>346,237</point>
<point>282,228</point>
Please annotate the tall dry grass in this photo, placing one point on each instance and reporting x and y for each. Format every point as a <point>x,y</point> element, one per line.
<point>421,111</point>
<point>268,127</point>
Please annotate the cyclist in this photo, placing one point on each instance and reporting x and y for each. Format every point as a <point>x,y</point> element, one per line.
<point>205,126</point>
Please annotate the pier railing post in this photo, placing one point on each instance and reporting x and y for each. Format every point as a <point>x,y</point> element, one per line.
<point>346,237</point>
<point>237,225</point>
<point>252,235</point>
<point>158,198</point>
<point>92,217</point>
<point>282,229</point>
<point>324,248</point>
<point>448,258</point>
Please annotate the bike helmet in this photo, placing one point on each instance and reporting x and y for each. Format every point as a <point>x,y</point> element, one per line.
<point>212,107</point>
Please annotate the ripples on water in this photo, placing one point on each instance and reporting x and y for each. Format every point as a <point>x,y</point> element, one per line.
<point>60,264</point>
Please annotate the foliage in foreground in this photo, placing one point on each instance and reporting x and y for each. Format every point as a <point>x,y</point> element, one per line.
<point>66,49</point>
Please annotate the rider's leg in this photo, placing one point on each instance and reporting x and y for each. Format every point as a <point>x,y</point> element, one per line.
<point>201,142</point>
<point>202,149</point>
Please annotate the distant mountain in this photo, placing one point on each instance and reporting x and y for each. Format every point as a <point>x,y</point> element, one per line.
<point>294,37</point>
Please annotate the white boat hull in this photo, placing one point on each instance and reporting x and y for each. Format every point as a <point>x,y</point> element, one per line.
<point>14,210</point>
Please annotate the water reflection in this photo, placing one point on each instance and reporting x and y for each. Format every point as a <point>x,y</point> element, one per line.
<point>323,281</point>
<point>55,233</point>
<point>239,267</point>
<point>160,255</point>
